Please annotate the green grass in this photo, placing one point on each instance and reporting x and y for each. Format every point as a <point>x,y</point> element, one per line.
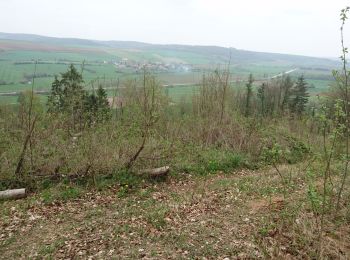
<point>179,93</point>
<point>318,85</point>
<point>61,192</point>
<point>14,74</point>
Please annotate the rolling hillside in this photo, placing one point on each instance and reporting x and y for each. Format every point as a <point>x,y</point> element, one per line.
<point>123,59</point>
<point>139,50</point>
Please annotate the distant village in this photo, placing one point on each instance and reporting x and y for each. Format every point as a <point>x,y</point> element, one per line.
<point>125,63</point>
<point>121,65</point>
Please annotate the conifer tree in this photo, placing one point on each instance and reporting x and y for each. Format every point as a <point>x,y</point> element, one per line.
<point>249,87</point>
<point>300,96</point>
<point>104,111</point>
<point>55,100</point>
<point>287,85</point>
<point>68,96</point>
<point>261,97</point>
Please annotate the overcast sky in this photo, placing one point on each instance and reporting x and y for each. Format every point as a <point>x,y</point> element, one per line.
<point>307,27</point>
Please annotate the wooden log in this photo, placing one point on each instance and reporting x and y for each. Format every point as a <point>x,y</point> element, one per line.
<point>156,172</point>
<point>12,194</point>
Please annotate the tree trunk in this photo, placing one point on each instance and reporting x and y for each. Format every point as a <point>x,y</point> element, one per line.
<point>13,194</point>
<point>157,172</point>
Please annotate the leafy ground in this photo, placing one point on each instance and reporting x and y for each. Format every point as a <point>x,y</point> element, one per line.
<point>224,216</point>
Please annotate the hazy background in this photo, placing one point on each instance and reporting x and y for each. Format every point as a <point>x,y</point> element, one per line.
<point>290,26</point>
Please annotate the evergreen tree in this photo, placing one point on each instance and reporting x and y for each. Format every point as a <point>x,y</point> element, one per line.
<point>249,87</point>
<point>66,92</point>
<point>68,96</point>
<point>90,108</point>
<point>55,100</point>
<point>300,96</point>
<point>261,97</point>
<point>287,85</point>
<point>104,111</point>
<point>97,107</point>
<point>73,91</point>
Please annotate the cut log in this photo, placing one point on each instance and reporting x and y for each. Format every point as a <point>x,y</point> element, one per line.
<point>12,194</point>
<point>156,172</point>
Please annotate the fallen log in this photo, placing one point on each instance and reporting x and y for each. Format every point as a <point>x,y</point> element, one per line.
<point>12,194</point>
<point>156,172</point>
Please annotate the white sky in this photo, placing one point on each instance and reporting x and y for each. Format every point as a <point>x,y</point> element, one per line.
<point>307,27</point>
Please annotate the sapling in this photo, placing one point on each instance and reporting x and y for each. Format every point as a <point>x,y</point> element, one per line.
<point>343,82</point>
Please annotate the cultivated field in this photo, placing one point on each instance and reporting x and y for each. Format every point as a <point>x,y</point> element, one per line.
<point>107,62</point>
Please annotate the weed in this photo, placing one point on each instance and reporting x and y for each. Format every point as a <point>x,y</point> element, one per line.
<point>156,217</point>
<point>48,250</point>
<point>62,192</point>
<point>314,197</point>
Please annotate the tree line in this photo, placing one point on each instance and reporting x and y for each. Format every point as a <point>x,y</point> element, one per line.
<point>276,97</point>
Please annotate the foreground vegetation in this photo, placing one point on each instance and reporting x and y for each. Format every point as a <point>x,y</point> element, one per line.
<point>243,214</point>
<point>258,171</point>
<point>81,138</point>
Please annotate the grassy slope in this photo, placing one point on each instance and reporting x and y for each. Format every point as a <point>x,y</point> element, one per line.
<point>242,214</point>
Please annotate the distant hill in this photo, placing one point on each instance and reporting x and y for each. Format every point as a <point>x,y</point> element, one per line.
<point>140,51</point>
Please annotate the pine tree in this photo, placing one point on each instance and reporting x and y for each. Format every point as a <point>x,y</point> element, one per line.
<point>97,107</point>
<point>90,108</point>
<point>300,96</point>
<point>55,98</point>
<point>249,87</point>
<point>287,85</point>
<point>261,97</point>
<point>68,96</point>
<point>67,91</point>
<point>73,90</point>
<point>104,111</point>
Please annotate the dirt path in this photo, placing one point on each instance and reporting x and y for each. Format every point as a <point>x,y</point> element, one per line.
<point>216,217</point>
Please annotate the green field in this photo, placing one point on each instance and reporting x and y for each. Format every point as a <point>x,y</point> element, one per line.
<point>53,55</point>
